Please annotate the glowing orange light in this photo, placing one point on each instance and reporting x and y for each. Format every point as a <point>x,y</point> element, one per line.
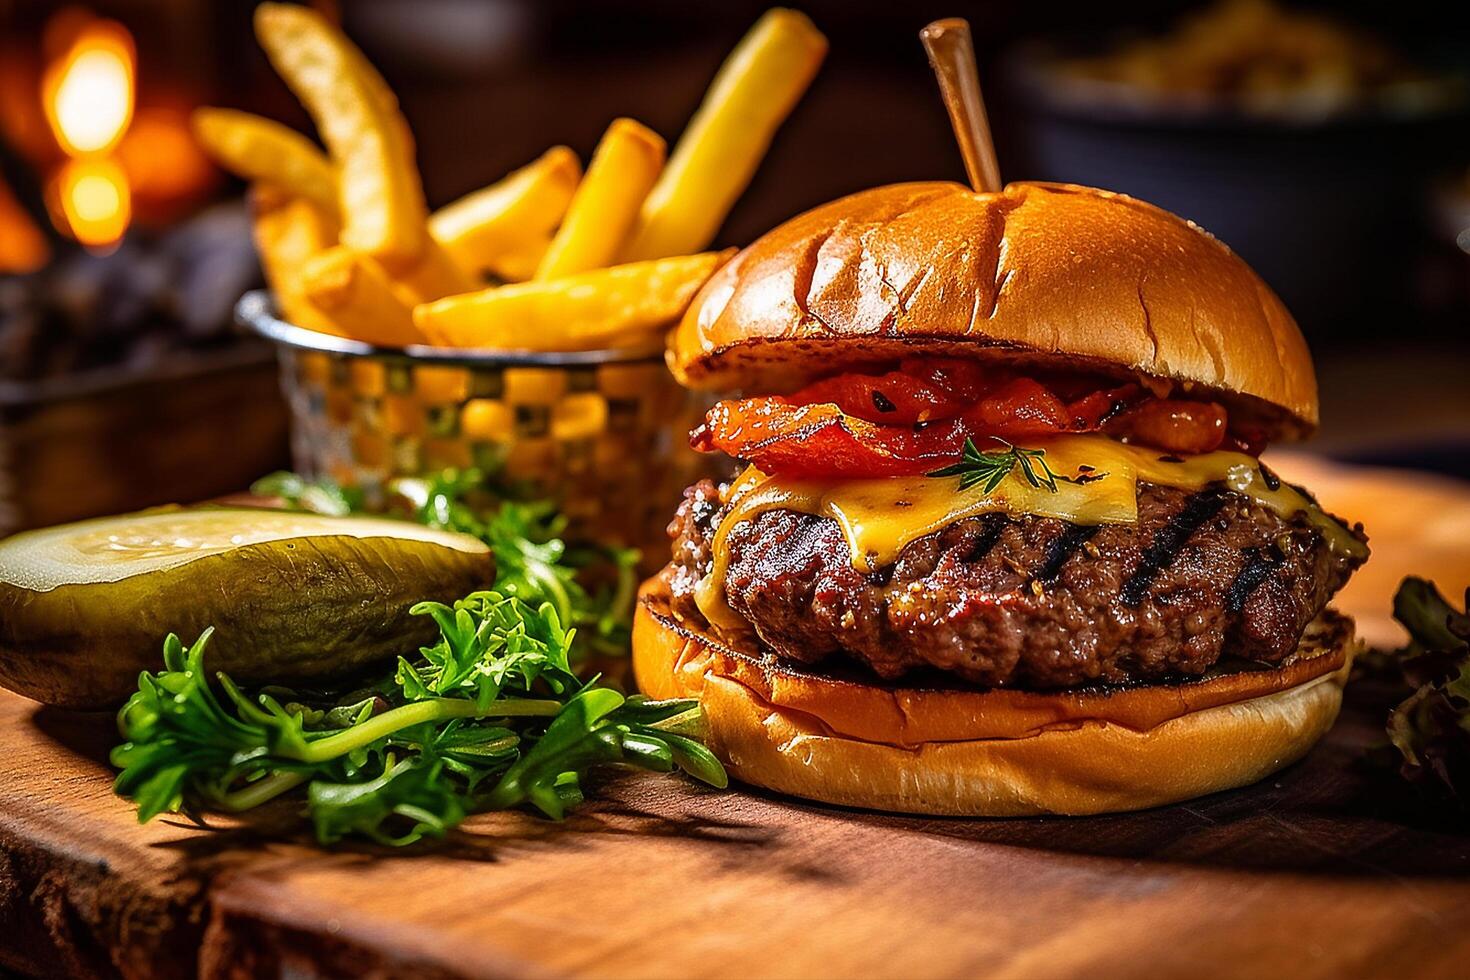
<point>94,200</point>
<point>88,92</point>
<point>161,157</point>
<point>22,247</point>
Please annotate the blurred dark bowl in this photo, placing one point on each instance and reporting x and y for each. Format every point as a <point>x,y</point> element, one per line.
<point>88,444</point>
<point>1331,211</point>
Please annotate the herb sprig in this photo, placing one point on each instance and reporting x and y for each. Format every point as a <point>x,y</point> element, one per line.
<point>491,716</point>
<point>992,468</point>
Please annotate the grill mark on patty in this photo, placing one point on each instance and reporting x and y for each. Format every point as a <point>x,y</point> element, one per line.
<point>985,541</point>
<point>1255,570</point>
<point>1063,547</point>
<point>1168,541</point>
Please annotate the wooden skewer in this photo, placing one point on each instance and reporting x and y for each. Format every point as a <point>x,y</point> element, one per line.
<point>952,56</point>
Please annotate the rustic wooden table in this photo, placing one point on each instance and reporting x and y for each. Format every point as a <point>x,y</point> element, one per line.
<point>1324,871</point>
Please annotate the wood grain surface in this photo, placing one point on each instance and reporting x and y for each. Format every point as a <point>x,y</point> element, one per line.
<point>1328,870</point>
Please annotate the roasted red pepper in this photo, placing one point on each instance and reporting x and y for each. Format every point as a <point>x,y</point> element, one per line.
<point>894,398</point>
<point>1020,407</point>
<point>822,440</point>
<point>916,419</point>
<point>1173,424</point>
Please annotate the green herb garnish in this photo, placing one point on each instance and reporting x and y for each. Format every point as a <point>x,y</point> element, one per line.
<point>992,468</point>
<point>1431,727</point>
<point>491,716</point>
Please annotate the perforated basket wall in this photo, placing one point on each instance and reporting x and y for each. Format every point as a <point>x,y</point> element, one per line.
<point>603,433</point>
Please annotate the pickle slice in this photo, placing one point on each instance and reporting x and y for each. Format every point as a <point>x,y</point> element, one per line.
<point>295,598</point>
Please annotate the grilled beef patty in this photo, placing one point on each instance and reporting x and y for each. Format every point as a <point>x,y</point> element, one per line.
<point>1030,602</point>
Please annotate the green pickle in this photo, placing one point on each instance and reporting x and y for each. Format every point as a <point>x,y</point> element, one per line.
<point>294,598</point>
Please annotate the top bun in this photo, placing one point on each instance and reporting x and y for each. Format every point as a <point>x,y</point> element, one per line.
<point>1100,279</point>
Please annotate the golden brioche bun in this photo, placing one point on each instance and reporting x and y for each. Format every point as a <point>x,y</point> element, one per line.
<point>1099,279</point>
<point>995,753</point>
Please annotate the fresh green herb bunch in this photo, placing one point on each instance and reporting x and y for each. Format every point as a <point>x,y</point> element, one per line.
<point>533,561</point>
<point>1431,727</point>
<point>489,717</point>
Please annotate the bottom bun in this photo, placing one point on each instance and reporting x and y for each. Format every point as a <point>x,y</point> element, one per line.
<point>996,753</point>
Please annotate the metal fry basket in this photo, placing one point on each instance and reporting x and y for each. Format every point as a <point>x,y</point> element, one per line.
<point>603,433</point>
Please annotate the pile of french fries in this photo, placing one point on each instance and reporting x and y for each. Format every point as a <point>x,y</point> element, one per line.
<point>548,258</point>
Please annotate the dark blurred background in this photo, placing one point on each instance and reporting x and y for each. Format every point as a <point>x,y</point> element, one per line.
<point>1336,209</point>
<point>1344,176</point>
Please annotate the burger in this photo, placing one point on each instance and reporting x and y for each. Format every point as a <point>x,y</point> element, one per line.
<point>1002,543</point>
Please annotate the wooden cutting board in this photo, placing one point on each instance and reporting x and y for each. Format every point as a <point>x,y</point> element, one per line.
<point>1324,871</point>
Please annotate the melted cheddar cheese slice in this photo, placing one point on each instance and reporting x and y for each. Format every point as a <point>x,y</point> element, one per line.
<point>880,517</point>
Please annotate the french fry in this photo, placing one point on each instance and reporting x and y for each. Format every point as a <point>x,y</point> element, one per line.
<point>505,228</point>
<point>354,292</point>
<point>602,212</point>
<point>289,231</point>
<point>263,150</point>
<point>434,275</point>
<point>755,90</point>
<point>604,307</point>
<point>379,190</point>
